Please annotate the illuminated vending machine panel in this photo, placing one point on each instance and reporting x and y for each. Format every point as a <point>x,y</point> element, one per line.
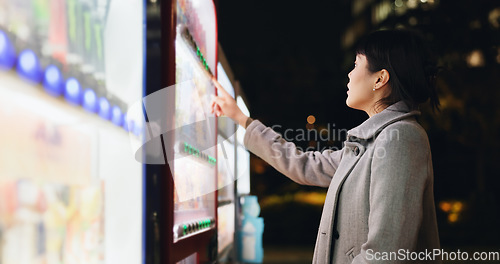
<point>70,188</point>
<point>242,155</point>
<point>226,147</point>
<point>195,150</point>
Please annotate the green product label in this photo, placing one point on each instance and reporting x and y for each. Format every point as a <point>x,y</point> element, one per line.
<point>88,36</point>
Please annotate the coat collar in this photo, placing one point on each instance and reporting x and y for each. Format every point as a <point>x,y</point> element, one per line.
<point>373,125</point>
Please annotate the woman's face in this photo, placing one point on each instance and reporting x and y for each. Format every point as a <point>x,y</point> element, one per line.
<point>360,94</point>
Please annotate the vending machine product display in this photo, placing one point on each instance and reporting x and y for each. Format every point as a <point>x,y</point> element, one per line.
<point>226,210</point>
<point>190,218</point>
<point>70,188</point>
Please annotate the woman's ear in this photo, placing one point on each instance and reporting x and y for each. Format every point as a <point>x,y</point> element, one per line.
<point>382,78</point>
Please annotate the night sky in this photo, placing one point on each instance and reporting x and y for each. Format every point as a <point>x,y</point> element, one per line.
<point>286,55</point>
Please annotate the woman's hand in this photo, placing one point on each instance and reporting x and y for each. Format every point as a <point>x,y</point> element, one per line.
<point>224,104</point>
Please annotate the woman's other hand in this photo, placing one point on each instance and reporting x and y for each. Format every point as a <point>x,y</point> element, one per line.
<point>224,104</point>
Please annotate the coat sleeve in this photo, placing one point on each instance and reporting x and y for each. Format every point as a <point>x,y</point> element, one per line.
<point>400,175</point>
<point>308,168</point>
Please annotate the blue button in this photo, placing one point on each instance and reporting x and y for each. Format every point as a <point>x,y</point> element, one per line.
<point>52,81</point>
<point>125,122</point>
<point>104,108</point>
<point>73,91</point>
<point>7,52</point>
<point>116,116</point>
<point>28,66</point>
<point>90,101</point>
<point>137,129</point>
<point>131,126</point>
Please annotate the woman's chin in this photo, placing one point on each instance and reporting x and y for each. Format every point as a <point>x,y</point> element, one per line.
<point>352,104</point>
<point>348,102</point>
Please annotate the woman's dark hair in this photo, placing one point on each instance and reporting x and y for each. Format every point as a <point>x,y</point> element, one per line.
<point>405,56</point>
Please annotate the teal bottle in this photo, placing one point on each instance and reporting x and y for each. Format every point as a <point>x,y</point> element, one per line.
<point>252,229</point>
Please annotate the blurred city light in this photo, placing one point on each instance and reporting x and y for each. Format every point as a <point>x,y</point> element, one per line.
<point>498,55</point>
<point>311,119</point>
<point>453,217</point>
<point>445,206</point>
<point>475,59</point>
<point>453,209</point>
<point>310,198</point>
<point>412,3</point>
<point>494,17</point>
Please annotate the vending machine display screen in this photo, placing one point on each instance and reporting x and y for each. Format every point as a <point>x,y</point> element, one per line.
<point>195,149</point>
<point>70,188</point>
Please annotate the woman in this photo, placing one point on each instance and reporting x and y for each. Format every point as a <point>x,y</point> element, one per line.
<point>379,206</point>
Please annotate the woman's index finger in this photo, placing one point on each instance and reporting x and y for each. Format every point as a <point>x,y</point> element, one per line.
<point>219,87</point>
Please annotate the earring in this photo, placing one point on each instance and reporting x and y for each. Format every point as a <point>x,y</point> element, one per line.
<point>374,89</point>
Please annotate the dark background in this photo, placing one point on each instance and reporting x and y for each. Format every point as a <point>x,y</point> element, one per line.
<point>292,59</point>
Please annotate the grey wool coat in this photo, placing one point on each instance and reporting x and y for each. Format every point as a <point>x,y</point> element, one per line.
<point>380,199</point>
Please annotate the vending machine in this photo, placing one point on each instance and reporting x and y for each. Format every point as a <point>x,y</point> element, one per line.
<point>226,178</point>
<point>187,214</point>
<point>71,189</point>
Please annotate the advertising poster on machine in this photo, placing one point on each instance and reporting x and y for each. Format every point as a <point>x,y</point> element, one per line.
<point>70,188</point>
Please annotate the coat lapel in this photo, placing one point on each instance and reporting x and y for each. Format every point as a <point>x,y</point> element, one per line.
<point>348,162</point>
